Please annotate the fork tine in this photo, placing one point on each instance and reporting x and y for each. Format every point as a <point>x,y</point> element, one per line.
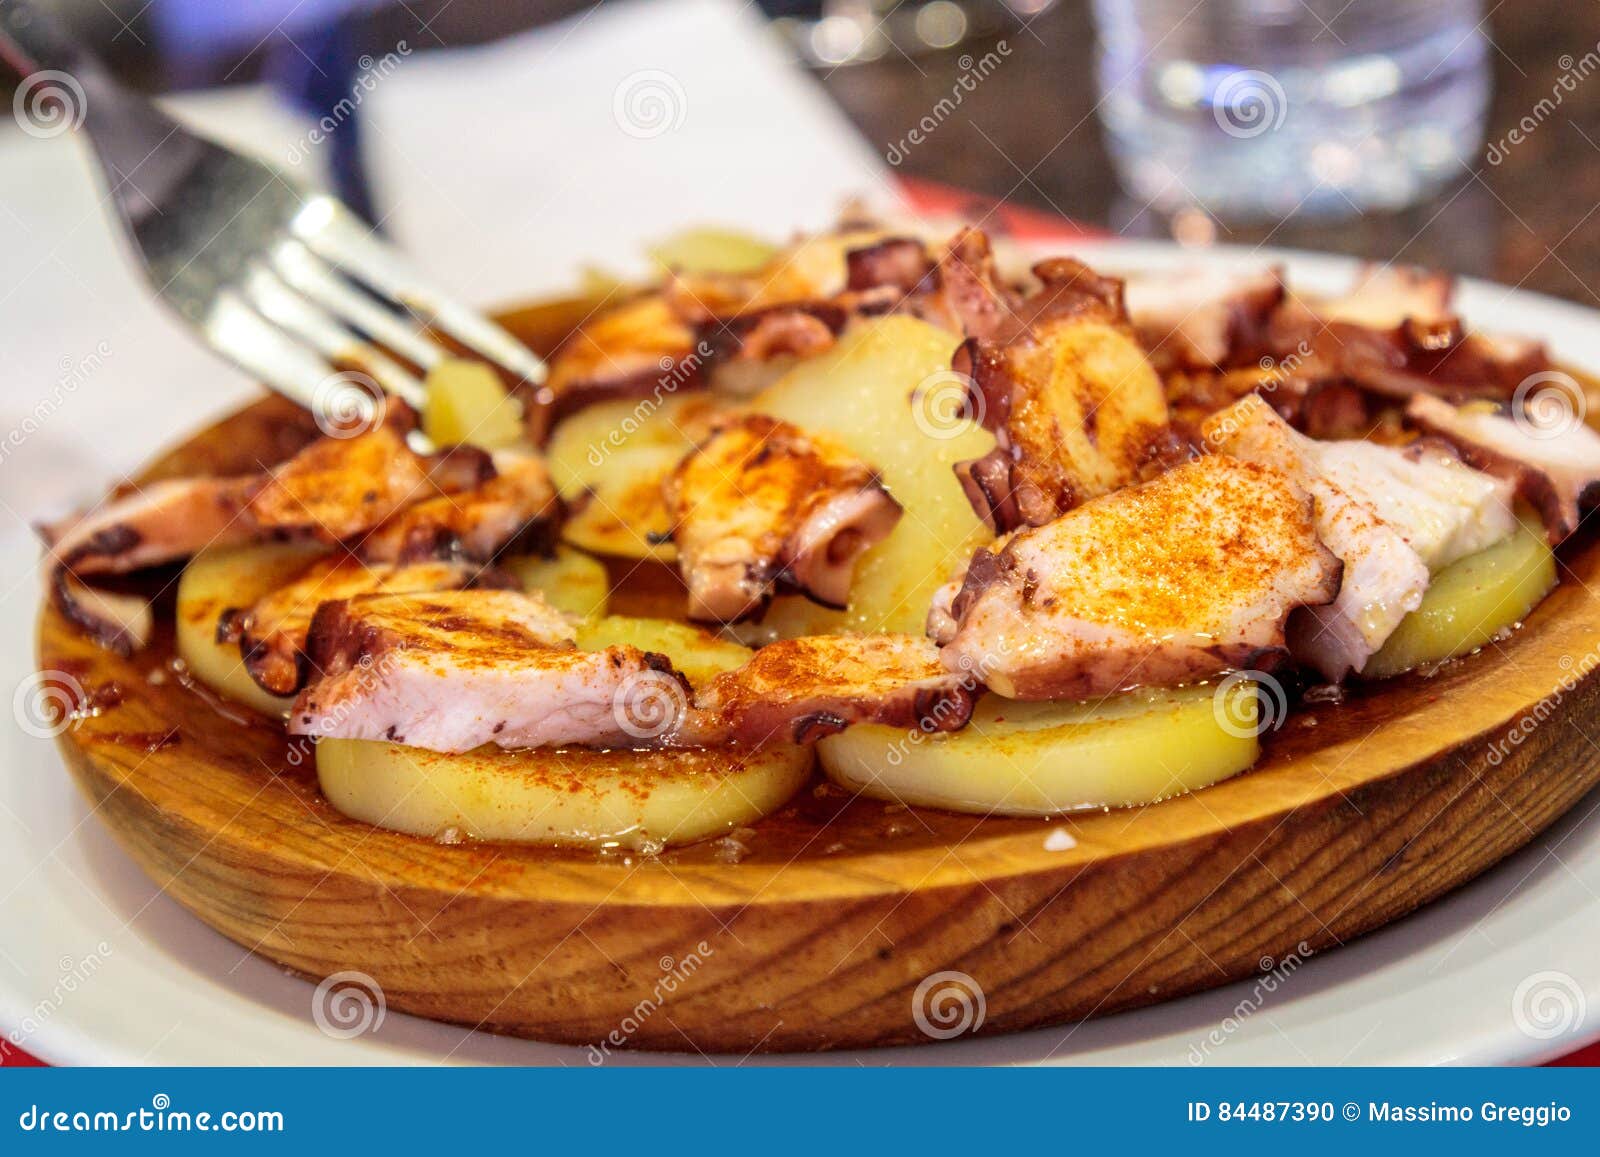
<point>337,235</point>
<point>314,277</point>
<point>262,349</point>
<point>293,313</point>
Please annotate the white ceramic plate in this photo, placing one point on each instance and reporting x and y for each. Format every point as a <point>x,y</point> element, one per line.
<point>98,967</point>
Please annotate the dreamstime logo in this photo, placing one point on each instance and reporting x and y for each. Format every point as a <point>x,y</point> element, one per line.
<point>675,973</point>
<point>1549,1004</point>
<point>648,704</point>
<point>675,374</point>
<point>369,676</point>
<point>649,103</point>
<point>48,104</point>
<point>348,1004</point>
<point>1548,405</point>
<point>1573,672</point>
<point>1273,974</point>
<point>1573,73</point>
<point>370,73</point>
<point>948,1004</point>
<point>46,703</point>
<point>347,404</point>
<point>1248,103</point>
<point>73,974</point>
<point>973,73</point>
<point>1226,424</point>
<point>74,373</point>
<point>1248,703</point>
<point>946,405</point>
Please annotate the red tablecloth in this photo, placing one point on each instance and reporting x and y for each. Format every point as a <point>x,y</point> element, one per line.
<point>1018,221</point>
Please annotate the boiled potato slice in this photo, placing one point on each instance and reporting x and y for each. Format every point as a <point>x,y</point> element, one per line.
<point>581,445</point>
<point>1471,601</point>
<point>624,511</point>
<point>887,392</point>
<point>216,580</point>
<point>616,455</point>
<point>570,580</point>
<point>698,654</point>
<point>644,800</point>
<point>1035,759</point>
<point>711,250</point>
<point>468,403</point>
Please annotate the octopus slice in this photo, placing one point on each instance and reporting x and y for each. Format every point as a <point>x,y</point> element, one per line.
<point>762,505</point>
<point>120,622</point>
<point>155,524</point>
<point>1444,508</point>
<point>800,690</point>
<point>746,353</point>
<point>455,670</point>
<point>1396,334</point>
<point>965,293</point>
<point>519,504</point>
<point>338,488</point>
<point>1386,296</point>
<point>1204,317</point>
<point>1177,579</point>
<point>1383,578</point>
<point>272,632</point>
<point>333,489</point>
<point>627,350</point>
<point>1552,460</point>
<point>736,331</point>
<point>901,264</point>
<point>1076,408</point>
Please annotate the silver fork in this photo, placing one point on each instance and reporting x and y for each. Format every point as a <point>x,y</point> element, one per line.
<point>288,284</point>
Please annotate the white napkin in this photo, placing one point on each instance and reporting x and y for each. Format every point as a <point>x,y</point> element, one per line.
<point>98,375</point>
<point>508,167</point>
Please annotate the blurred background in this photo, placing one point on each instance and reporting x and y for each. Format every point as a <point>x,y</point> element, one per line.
<point>1458,133</point>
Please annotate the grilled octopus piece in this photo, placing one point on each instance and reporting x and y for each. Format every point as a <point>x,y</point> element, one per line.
<point>762,505</point>
<point>1330,366</point>
<point>1551,460</point>
<point>1203,318</point>
<point>801,690</point>
<point>518,505</point>
<point>735,330</point>
<point>1396,334</point>
<point>332,490</point>
<point>337,489</point>
<point>1383,579</point>
<point>628,351</point>
<point>1177,579</point>
<point>454,670</point>
<point>896,266</point>
<point>443,543</point>
<point>743,354</point>
<point>1076,409</point>
<point>964,292</point>
<point>272,632</point>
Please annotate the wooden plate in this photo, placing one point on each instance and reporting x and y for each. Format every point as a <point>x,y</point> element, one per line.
<point>843,920</point>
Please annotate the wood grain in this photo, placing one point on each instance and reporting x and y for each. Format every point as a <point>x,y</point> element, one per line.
<point>820,936</point>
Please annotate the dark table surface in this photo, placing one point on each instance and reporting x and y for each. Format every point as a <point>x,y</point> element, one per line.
<point>1029,133</point>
